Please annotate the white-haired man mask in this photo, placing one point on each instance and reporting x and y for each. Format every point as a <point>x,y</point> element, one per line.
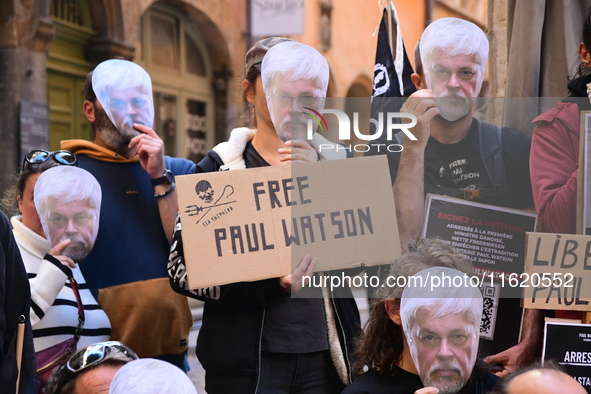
<point>68,200</point>
<point>453,53</point>
<point>295,79</point>
<point>441,325</point>
<point>124,91</point>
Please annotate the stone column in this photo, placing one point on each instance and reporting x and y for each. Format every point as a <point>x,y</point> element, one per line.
<point>25,33</point>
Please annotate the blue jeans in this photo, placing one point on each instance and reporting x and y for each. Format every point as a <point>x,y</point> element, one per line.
<point>284,373</point>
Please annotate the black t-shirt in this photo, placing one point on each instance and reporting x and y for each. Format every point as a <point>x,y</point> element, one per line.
<point>291,325</point>
<point>459,166</point>
<point>403,382</point>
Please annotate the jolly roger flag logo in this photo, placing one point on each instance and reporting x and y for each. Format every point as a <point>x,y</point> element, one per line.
<point>391,81</point>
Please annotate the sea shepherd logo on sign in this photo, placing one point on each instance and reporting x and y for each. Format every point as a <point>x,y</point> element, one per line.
<point>345,129</point>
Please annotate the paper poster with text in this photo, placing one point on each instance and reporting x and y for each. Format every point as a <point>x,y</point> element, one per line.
<point>494,240</point>
<point>570,346</point>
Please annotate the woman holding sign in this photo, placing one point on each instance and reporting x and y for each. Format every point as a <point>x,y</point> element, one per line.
<point>255,337</point>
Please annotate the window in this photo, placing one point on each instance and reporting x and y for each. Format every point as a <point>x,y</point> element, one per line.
<point>174,54</point>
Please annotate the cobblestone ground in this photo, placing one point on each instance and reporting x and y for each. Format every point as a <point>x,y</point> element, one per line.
<point>197,374</point>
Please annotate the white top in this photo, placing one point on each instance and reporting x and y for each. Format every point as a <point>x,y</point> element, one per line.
<point>54,310</point>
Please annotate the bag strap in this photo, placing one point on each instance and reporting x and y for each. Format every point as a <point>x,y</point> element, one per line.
<point>81,317</point>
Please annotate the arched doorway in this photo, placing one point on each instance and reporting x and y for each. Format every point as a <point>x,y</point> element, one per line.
<point>66,71</point>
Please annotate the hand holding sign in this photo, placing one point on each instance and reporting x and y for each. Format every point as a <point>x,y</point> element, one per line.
<point>293,282</point>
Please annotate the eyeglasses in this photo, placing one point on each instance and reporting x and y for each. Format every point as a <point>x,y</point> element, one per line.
<point>39,156</point>
<point>119,105</point>
<point>303,101</point>
<point>80,219</point>
<point>443,74</point>
<point>88,357</point>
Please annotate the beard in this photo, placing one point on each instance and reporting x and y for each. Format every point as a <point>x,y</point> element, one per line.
<point>445,384</point>
<point>109,133</point>
<point>127,130</point>
<point>293,128</point>
<point>77,250</point>
<point>453,106</point>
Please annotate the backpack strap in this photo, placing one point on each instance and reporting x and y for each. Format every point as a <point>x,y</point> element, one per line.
<point>490,142</point>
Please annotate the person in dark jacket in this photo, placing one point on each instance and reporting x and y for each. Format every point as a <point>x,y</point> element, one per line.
<point>15,301</point>
<point>255,337</point>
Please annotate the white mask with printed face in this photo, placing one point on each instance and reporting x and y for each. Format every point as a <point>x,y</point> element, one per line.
<point>124,90</point>
<point>441,325</point>
<point>295,97</point>
<point>455,82</point>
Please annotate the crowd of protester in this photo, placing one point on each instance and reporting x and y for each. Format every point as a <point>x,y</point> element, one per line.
<point>104,309</point>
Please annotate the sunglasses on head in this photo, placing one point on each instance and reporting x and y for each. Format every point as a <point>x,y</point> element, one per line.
<point>39,156</point>
<point>91,356</point>
<point>97,353</point>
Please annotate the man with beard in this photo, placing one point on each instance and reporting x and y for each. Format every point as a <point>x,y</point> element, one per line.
<point>137,215</point>
<point>460,156</point>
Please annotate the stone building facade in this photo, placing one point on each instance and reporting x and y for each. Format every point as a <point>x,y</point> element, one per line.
<point>193,50</point>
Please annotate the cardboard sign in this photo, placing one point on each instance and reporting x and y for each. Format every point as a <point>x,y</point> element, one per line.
<point>557,272</point>
<point>570,346</point>
<point>255,224</point>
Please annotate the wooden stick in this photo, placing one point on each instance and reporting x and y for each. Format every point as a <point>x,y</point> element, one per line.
<point>20,336</point>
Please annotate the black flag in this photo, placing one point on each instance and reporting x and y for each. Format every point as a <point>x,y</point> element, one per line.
<point>390,73</point>
<point>386,82</point>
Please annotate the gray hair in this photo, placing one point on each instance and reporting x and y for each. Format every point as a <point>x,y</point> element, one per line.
<point>121,74</point>
<point>151,376</point>
<point>448,298</point>
<point>455,37</point>
<point>296,61</point>
<point>68,184</point>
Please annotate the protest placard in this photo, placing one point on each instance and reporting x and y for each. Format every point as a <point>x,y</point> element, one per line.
<point>494,238</point>
<point>557,272</point>
<point>570,346</point>
<point>254,224</point>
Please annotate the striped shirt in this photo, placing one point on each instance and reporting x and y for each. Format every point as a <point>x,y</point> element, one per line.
<point>54,310</point>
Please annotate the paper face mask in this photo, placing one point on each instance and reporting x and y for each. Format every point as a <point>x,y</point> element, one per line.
<point>293,96</point>
<point>441,325</point>
<point>124,90</point>
<point>68,201</point>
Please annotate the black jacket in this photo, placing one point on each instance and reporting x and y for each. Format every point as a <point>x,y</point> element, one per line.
<point>229,342</point>
<point>15,300</point>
